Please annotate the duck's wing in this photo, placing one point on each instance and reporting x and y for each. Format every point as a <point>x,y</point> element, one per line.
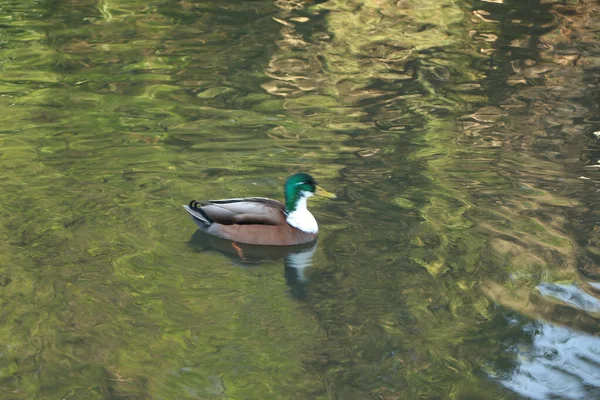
<point>240,211</point>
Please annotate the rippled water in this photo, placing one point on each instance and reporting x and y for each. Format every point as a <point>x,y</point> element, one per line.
<point>460,260</point>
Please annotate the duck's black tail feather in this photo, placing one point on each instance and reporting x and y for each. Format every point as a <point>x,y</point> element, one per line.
<point>196,211</point>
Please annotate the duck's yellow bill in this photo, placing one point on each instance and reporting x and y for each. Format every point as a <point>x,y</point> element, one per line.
<point>324,193</point>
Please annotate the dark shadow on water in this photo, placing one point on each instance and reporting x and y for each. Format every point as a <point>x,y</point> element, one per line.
<point>296,259</point>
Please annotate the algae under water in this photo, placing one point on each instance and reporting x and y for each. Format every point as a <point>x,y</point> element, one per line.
<point>460,260</point>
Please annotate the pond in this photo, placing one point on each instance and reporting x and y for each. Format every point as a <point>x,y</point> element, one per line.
<point>459,261</point>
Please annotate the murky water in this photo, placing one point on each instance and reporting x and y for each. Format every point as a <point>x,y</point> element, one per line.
<point>459,262</point>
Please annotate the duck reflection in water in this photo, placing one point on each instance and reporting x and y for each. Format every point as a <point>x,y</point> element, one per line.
<point>296,259</point>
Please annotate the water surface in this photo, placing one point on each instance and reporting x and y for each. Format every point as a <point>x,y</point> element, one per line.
<point>459,262</point>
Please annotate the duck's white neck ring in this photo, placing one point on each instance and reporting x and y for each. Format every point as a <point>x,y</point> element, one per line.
<point>300,217</point>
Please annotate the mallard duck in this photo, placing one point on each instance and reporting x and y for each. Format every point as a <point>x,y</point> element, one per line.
<point>263,221</point>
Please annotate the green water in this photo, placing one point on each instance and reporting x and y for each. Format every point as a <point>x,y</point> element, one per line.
<point>459,261</point>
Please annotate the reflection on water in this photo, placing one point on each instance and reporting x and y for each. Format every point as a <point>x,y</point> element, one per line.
<point>558,362</point>
<point>572,295</point>
<point>296,259</point>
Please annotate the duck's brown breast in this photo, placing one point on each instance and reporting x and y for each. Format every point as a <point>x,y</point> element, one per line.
<point>274,235</point>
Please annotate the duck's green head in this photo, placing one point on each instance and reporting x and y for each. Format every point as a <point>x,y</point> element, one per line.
<point>299,187</point>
